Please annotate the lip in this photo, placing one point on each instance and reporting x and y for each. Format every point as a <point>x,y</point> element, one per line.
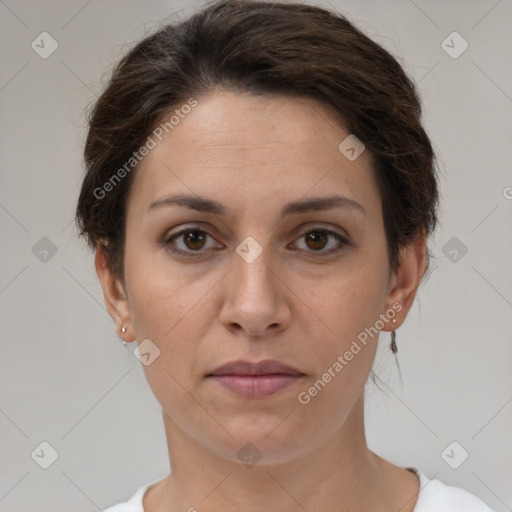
<point>255,379</point>
<point>264,367</point>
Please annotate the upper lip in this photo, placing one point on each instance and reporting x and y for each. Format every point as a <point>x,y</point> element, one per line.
<point>265,367</point>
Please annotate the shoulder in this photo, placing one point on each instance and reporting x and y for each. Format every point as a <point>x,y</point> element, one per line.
<point>134,504</point>
<point>435,496</point>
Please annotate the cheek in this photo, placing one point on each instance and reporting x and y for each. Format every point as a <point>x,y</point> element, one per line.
<point>157,299</point>
<point>347,301</point>
<point>171,310</point>
<point>343,318</point>
<point>342,348</point>
<point>169,313</point>
<point>163,311</point>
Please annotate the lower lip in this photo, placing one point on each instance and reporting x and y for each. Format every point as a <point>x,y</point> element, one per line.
<point>256,386</point>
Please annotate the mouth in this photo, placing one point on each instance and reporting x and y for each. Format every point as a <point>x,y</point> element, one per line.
<point>255,380</point>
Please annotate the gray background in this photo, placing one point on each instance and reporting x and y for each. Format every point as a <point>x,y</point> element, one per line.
<point>66,378</point>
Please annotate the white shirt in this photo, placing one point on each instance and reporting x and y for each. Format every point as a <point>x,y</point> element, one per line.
<point>434,496</point>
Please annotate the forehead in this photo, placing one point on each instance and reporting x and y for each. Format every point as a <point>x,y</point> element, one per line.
<point>253,148</point>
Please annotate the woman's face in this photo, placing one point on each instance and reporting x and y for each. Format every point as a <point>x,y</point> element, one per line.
<point>250,283</point>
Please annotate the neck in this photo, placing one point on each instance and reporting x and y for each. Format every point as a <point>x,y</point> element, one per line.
<point>341,474</point>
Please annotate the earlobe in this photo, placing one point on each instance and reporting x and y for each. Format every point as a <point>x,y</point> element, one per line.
<point>407,278</point>
<point>114,293</point>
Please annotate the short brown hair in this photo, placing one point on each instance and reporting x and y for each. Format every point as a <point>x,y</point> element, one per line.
<point>257,47</point>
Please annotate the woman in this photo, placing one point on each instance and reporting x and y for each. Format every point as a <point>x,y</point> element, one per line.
<point>259,193</point>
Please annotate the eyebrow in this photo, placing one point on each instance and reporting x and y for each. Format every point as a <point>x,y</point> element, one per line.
<point>203,204</point>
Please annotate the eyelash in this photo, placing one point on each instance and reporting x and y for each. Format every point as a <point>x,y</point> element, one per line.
<point>192,254</point>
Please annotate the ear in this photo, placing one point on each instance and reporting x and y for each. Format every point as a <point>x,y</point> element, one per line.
<point>114,294</point>
<point>405,281</point>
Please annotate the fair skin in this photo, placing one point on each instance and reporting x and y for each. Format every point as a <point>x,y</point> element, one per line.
<point>300,302</point>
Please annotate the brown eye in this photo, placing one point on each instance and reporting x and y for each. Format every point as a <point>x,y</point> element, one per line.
<point>193,242</point>
<point>316,240</point>
<point>194,239</point>
<point>189,242</point>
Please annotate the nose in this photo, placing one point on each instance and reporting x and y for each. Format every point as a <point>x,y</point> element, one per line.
<point>256,300</point>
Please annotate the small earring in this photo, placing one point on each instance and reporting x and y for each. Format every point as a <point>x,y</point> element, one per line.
<point>394,348</point>
<point>123,330</point>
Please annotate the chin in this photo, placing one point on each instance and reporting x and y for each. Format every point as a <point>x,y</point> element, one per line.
<point>261,441</point>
